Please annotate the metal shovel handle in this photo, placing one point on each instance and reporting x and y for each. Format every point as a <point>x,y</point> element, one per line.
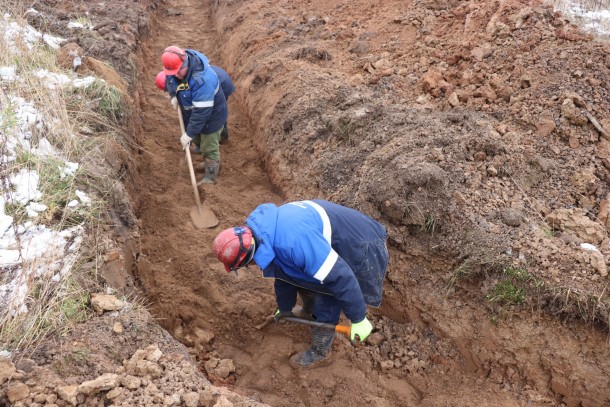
<point>344,329</point>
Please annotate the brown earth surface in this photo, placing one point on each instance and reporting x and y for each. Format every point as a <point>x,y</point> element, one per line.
<point>477,132</point>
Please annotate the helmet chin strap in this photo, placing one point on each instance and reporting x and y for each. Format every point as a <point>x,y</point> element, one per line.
<point>250,256</point>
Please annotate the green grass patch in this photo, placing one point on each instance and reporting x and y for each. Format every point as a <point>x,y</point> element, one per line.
<point>110,101</point>
<point>506,293</point>
<point>518,273</point>
<point>429,223</point>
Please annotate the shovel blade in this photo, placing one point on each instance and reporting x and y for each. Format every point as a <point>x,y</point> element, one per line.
<point>203,217</point>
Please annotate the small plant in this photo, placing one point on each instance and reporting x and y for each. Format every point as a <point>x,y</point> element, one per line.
<point>343,128</point>
<point>7,118</point>
<point>74,308</point>
<point>110,101</point>
<point>506,293</point>
<point>518,273</point>
<point>481,262</point>
<point>463,271</point>
<point>429,223</point>
<point>84,21</point>
<point>548,232</point>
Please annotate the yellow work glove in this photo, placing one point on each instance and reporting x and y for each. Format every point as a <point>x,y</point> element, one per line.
<point>361,330</point>
<point>174,102</point>
<point>281,314</point>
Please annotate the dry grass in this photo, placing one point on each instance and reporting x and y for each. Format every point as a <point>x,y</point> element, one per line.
<point>76,123</point>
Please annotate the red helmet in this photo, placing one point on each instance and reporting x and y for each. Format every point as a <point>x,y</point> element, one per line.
<point>173,58</point>
<point>234,247</point>
<point>160,80</point>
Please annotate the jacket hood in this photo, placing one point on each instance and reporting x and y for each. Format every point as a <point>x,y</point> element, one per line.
<point>197,62</point>
<point>262,222</point>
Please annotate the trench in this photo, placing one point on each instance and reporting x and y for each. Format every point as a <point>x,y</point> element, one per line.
<point>432,349</point>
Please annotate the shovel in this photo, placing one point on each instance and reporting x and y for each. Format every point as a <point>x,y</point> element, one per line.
<point>201,215</point>
<point>344,329</point>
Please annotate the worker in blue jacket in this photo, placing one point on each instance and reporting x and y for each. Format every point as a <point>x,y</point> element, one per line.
<point>194,87</point>
<point>227,88</point>
<point>334,256</point>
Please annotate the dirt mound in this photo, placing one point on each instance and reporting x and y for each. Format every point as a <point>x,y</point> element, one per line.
<point>480,121</point>
<point>123,360</point>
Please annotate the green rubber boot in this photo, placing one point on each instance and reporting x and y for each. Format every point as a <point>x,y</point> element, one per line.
<point>212,168</point>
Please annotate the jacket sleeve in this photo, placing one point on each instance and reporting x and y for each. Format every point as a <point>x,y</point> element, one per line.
<point>311,253</point>
<point>342,282</point>
<point>285,294</point>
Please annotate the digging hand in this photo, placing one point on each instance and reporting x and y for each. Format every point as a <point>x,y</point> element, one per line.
<point>361,330</point>
<point>281,314</point>
<point>174,102</point>
<point>185,140</point>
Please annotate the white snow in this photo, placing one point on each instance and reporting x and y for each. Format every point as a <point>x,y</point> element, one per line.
<point>52,80</point>
<point>56,80</point>
<point>25,184</point>
<point>589,247</point>
<point>593,18</point>
<point>15,33</point>
<point>83,197</point>
<point>84,82</point>
<point>8,73</point>
<point>69,170</point>
<point>73,24</point>
<point>29,251</point>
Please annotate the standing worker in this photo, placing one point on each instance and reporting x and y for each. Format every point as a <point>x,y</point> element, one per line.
<point>194,87</point>
<point>334,257</point>
<point>227,88</point>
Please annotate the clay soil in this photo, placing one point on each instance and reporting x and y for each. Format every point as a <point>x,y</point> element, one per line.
<point>477,132</point>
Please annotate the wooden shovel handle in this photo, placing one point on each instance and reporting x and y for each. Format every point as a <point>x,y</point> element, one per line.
<point>189,162</point>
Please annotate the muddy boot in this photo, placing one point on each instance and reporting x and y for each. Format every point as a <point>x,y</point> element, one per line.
<point>318,354</point>
<point>224,136</point>
<point>211,172</point>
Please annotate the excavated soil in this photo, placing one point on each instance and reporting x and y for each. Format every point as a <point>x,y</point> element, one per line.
<point>473,130</point>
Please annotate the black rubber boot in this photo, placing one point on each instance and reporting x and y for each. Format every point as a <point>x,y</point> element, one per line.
<point>318,354</point>
<point>224,135</point>
<point>211,172</point>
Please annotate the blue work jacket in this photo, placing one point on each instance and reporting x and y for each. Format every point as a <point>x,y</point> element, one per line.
<point>324,247</point>
<point>225,81</point>
<point>203,103</point>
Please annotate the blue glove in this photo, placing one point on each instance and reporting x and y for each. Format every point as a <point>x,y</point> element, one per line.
<point>361,329</point>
